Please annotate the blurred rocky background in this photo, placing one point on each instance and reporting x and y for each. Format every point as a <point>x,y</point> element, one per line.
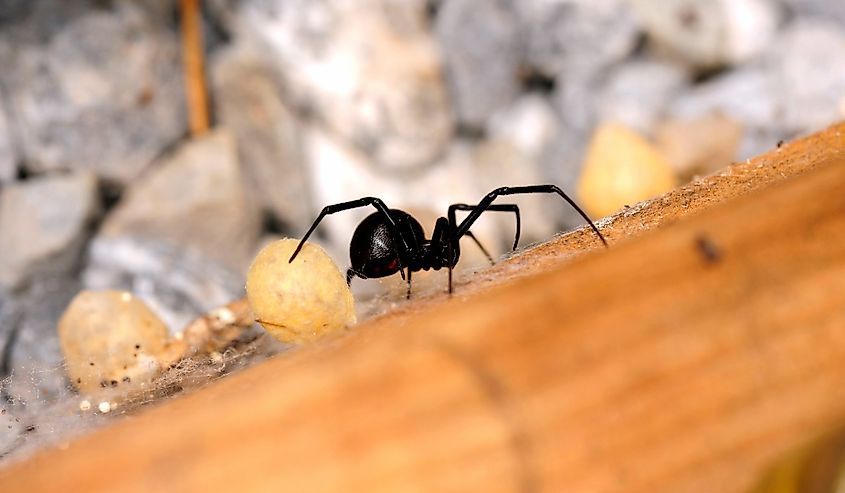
<point>421,103</point>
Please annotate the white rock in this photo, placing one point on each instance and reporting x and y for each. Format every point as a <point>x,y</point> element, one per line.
<point>195,199</point>
<point>710,34</point>
<point>636,93</point>
<point>176,283</point>
<point>830,10</point>
<point>565,37</point>
<point>748,95</point>
<point>8,152</point>
<point>796,86</point>
<point>103,93</point>
<point>480,42</point>
<point>576,103</point>
<point>43,224</point>
<point>530,124</point>
<point>11,10</point>
<point>808,63</point>
<point>9,316</point>
<point>183,235</point>
<point>248,102</point>
<point>370,70</point>
<point>490,46</point>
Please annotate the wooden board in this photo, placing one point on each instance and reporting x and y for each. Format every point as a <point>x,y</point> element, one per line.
<point>684,358</point>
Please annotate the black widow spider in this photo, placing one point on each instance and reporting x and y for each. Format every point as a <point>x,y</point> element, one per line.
<point>391,240</point>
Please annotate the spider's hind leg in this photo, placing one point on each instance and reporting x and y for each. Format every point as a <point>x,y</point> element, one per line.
<point>493,207</point>
<point>486,204</point>
<point>481,247</point>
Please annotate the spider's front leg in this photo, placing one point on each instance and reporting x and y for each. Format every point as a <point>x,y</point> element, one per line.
<point>350,273</point>
<point>354,204</point>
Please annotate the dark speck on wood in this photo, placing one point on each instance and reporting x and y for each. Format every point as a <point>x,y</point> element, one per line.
<point>708,250</point>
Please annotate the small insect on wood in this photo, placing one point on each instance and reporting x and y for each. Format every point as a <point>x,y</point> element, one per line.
<point>391,240</point>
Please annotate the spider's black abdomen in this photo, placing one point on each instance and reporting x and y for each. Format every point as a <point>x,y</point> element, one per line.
<point>373,249</point>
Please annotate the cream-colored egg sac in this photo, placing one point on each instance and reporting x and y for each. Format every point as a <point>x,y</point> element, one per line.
<point>111,339</point>
<point>298,301</point>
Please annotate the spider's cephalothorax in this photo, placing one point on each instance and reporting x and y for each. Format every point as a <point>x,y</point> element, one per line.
<point>390,240</point>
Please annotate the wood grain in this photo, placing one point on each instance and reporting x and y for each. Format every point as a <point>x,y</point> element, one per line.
<point>683,359</point>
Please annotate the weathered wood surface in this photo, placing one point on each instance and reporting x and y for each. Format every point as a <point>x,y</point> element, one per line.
<point>683,359</point>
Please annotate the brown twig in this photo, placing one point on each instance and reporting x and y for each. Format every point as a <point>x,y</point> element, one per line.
<point>194,66</point>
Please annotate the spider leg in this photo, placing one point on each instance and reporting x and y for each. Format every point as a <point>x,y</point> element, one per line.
<point>480,246</point>
<point>488,199</point>
<point>449,265</point>
<point>408,295</point>
<point>493,207</point>
<point>350,273</point>
<point>354,204</point>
